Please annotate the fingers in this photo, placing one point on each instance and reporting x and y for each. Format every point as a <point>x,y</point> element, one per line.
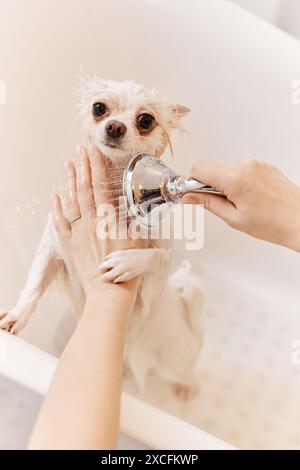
<point>62,226</point>
<point>84,185</point>
<point>8,320</point>
<point>217,205</point>
<point>100,176</point>
<point>18,325</point>
<point>71,200</point>
<point>213,174</point>
<point>112,274</point>
<point>125,277</point>
<point>221,178</point>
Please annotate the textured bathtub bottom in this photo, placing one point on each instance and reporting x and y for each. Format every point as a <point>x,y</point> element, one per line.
<point>249,387</point>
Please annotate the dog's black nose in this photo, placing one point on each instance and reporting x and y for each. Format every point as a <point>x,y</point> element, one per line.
<point>115,129</point>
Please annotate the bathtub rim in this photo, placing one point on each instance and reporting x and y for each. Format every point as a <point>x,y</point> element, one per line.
<point>33,368</point>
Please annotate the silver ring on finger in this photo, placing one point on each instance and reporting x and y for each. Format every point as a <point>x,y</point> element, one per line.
<point>75,218</point>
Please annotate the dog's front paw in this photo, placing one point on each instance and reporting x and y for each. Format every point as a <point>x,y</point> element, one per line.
<point>124,265</point>
<point>121,266</point>
<point>7,320</point>
<point>12,321</point>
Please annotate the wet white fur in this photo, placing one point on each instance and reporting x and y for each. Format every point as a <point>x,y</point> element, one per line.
<point>164,330</point>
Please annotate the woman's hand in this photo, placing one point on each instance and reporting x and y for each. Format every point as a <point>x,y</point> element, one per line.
<point>261,201</point>
<point>87,188</point>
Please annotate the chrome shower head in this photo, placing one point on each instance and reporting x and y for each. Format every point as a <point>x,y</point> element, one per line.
<point>148,183</point>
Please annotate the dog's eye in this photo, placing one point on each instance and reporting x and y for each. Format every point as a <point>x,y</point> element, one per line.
<point>145,122</point>
<point>99,109</point>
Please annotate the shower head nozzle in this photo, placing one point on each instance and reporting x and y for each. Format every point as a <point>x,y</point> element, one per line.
<point>145,185</point>
<point>149,184</point>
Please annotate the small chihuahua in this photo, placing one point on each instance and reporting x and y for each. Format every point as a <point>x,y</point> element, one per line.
<point>164,335</point>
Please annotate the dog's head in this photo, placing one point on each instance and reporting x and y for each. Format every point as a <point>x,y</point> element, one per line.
<point>124,119</point>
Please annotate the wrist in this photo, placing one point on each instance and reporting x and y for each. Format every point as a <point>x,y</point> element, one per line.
<point>295,245</point>
<point>98,285</point>
<point>293,235</point>
<point>111,300</point>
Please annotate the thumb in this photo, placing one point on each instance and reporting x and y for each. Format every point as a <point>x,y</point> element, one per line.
<point>217,205</point>
<point>212,173</point>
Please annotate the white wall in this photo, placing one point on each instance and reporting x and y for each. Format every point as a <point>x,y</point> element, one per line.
<point>266,9</point>
<point>289,17</point>
<point>282,13</point>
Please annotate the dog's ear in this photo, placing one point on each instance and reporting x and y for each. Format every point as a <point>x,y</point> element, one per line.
<point>177,112</point>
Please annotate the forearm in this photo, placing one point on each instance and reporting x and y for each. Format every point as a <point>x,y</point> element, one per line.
<point>81,410</point>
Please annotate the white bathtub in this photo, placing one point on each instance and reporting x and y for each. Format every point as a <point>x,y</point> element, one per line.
<point>235,72</point>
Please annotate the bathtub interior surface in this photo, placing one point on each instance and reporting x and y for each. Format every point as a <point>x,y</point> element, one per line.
<point>248,380</point>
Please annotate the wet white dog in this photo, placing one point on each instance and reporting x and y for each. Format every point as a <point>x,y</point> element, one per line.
<point>123,119</point>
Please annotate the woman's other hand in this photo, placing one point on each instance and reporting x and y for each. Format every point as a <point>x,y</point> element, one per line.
<point>261,201</point>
